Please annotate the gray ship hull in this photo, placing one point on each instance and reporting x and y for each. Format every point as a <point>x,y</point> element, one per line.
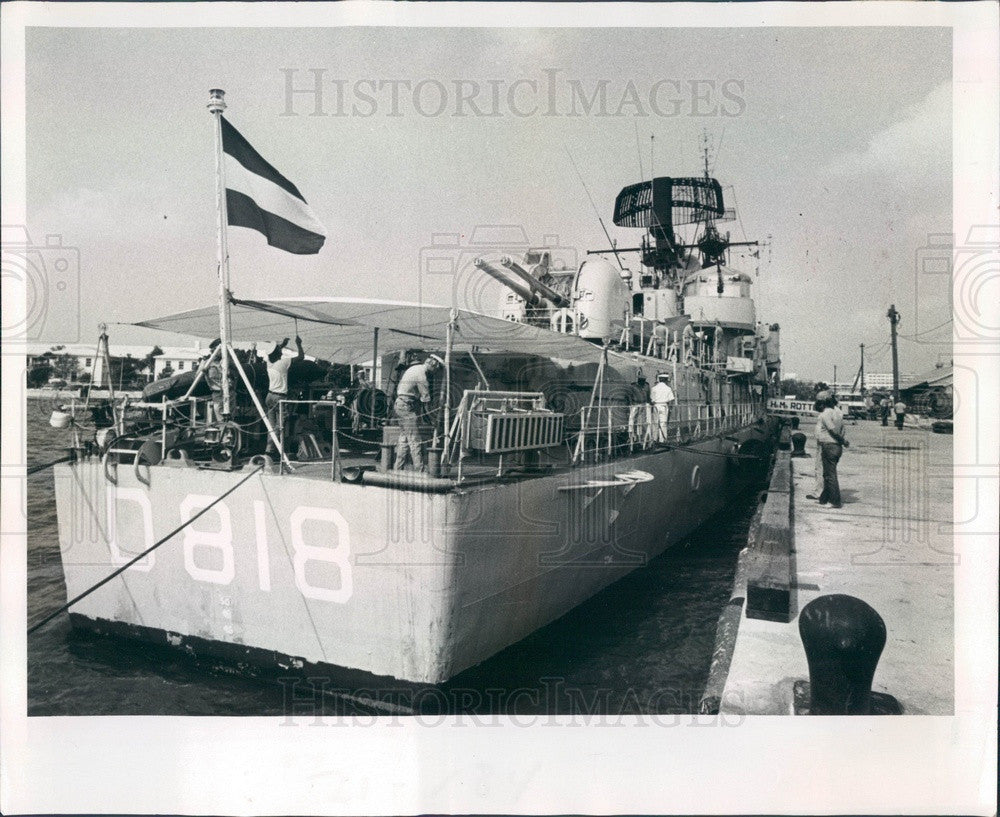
<point>401,584</point>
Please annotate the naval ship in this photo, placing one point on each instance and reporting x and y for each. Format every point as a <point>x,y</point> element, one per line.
<point>548,476</point>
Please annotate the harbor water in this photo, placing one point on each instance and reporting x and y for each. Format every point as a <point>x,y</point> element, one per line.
<point>642,645</point>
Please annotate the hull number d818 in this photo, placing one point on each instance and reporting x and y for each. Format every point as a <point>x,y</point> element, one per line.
<point>307,525</point>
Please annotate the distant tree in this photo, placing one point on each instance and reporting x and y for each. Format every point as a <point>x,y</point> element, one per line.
<point>84,378</point>
<point>64,366</point>
<point>167,371</point>
<point>801,389</point>
<point>150,358</point>
<point>39,375</point>
<point>125,371</point>
<point>149,362</point>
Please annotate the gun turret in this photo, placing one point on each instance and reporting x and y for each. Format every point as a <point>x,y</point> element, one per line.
<point>530,297</point>
<point>547,292</point>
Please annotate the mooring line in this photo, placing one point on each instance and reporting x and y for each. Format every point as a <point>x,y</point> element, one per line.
<point>36,468</point>
<point>142,555</point>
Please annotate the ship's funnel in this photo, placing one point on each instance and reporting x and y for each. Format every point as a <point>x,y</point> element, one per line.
<point>547,292</point>
<point>520,288</point>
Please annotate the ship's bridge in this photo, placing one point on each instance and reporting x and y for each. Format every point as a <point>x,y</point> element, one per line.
<point>733,307</point>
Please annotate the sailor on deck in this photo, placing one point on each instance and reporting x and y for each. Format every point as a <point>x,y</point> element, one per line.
<point>662,396</point>
<point>277,384</point>
<point>413,395</point>
<point>213,376</point>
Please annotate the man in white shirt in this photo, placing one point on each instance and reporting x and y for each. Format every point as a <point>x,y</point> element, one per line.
<point>277,384</point>
<point>662,396</point>
<point>830,435</point>
<point>818,406</point>
<point>413,397</point>
<point>900,410</point>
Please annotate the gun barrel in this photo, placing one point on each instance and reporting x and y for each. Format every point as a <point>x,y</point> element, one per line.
<point>521,289</point>
<point>536,285</point>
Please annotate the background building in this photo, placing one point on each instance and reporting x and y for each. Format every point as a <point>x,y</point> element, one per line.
<point>176,359</point>
<point>131,365</point>
<point>874,381</point>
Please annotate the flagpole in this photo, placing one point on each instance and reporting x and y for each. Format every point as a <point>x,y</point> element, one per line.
<point>216,105</point>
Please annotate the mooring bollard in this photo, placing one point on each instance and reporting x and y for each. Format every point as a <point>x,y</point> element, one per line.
<point>434,461</point>
<point>799,444</point>
<point>843,639</point>
<point>385,461</point>
<point>784,439</point>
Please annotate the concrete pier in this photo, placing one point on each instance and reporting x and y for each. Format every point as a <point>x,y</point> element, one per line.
<point>889,545</point>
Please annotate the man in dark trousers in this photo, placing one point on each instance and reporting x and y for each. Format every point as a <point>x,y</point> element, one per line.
<point>830,435</point>
<point>277,385</point>
<point>900,409</point>
<point>213,376</point>
<point>884,411</point>
<point>413,398</point>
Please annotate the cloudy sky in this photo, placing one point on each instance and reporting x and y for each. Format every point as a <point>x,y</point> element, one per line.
<point>836,142</point>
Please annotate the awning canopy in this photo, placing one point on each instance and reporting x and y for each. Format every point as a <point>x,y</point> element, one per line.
<point>340,330</point>
<point>938,377</point>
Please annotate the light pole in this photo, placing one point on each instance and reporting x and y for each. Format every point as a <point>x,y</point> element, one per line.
<point>894,319</point>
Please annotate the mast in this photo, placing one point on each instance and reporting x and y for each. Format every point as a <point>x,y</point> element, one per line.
<point>216,105</point>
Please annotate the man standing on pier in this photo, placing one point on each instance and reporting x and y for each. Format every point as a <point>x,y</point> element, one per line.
<point>412,394</point>
<point>662,396</point>
<point>900,409</point>
<point>884,409</point>
<point>818,406</point>
<point>830,435</point>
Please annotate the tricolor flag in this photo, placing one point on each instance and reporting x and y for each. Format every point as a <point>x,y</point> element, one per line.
<point>259,197</point>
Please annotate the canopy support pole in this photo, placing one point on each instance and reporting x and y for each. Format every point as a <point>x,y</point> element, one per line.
<point>486,383</point>
<point>93,368</point>
<point>202,369</point>
<point>581,442</point>
<point>375,383</point>
<point>449,344</point>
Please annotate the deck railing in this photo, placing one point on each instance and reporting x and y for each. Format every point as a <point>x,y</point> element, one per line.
<point>310,447</point>
<point>609,430</point>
